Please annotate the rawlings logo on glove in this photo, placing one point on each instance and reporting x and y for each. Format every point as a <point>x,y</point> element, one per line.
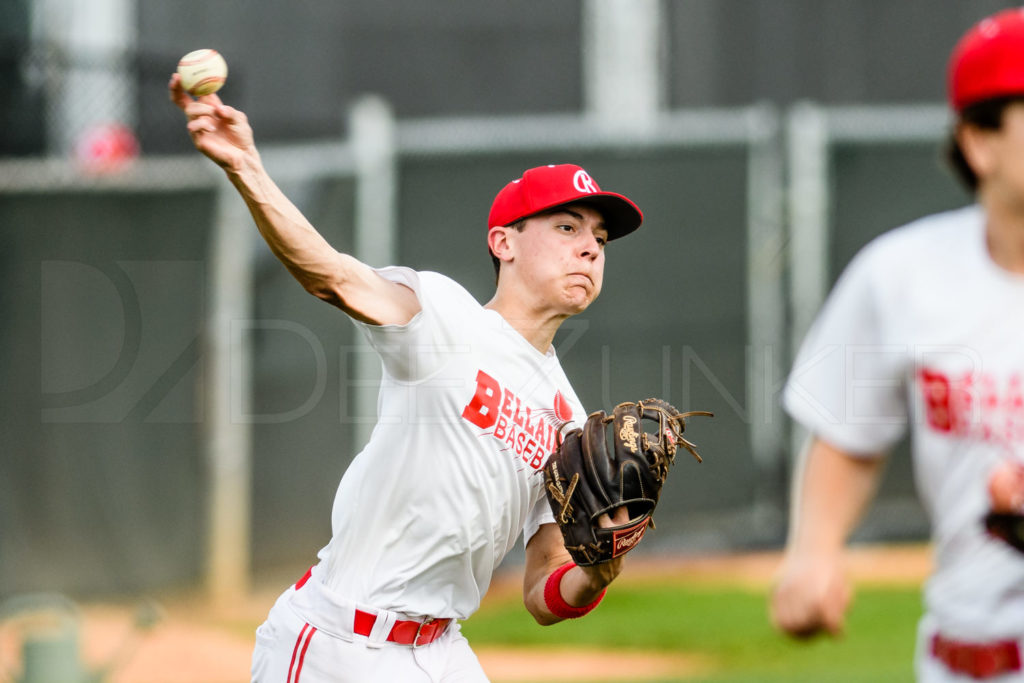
<point>587,477</point>
<point>627,539</point>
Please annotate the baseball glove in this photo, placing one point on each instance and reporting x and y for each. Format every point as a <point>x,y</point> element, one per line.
<point>1008,527</point>
<point>594,472</point>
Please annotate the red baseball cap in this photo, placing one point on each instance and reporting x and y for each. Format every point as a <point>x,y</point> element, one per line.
<point>989,60</point>
<point>546,187</point>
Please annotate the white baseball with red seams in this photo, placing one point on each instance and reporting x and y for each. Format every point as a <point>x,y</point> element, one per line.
<point>924,328</point>
<point>468,412</point>
<point>202,72</point>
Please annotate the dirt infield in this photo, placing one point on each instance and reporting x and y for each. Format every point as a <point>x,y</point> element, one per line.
<point>195,643</point>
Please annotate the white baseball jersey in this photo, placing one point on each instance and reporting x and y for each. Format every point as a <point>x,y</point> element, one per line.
<point>923,328</point>
<point>468,412</point>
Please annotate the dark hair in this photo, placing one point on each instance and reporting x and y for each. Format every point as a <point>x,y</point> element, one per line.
<point>986,115</point>
<point>495,261</point>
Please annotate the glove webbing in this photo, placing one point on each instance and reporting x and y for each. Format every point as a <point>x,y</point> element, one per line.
<point>564,499</point>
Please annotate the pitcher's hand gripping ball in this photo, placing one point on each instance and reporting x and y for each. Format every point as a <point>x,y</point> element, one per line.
<point>203,72</point>
<point>595,472</point>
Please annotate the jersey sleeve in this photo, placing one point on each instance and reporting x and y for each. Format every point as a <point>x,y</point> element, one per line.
<point>847,384</point>
<point>540,513</point>
<point>409,352</point>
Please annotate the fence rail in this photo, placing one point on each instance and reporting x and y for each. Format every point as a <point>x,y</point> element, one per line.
<point>788,187</point>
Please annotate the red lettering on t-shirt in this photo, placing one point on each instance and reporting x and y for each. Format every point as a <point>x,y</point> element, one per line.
<point>512,420</point>
<point>483,409</point>
<point>1014,395</point>
<point>536,430</point>
<point>981,405</point>
<point>510,437</point>
<point>937,399</point>
<point>518,418</point>
<point>500,427</point>
<point>520,440</point>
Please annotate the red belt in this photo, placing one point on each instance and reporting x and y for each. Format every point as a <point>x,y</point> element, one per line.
<point>977,659</point>
<point>415,633</point>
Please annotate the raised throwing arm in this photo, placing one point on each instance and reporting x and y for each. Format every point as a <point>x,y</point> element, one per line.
<point>224,135</point>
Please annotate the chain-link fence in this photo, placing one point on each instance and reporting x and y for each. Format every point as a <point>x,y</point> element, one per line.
<point>57,104</point>
<point>148,332</point>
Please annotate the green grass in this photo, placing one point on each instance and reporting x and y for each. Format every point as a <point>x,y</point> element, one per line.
<point>729,627</point>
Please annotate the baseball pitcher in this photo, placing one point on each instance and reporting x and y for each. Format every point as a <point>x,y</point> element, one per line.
<point>472,403</point>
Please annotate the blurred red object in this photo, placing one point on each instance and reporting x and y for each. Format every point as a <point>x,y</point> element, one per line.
<point>107,148</point>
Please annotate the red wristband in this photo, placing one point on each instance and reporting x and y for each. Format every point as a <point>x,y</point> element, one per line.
<point>553,596</point>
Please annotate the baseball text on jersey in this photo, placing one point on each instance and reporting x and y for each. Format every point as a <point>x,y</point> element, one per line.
<point>530,432</point>
<point>981,405</point>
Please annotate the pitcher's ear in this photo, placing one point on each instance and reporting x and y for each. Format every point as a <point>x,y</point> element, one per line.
<point>501,242</point>
<point>977,146</point>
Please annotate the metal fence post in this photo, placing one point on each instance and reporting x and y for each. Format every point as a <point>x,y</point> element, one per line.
<point>766,314</point>
<point>808,204</point>
<point>623,64</point>
<point>98,38</point>
<point>372,130</point>
<point>228,380</point>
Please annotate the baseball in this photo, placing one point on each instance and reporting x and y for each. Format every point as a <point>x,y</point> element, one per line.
<point>1006,487</point>
<point>202,72</point>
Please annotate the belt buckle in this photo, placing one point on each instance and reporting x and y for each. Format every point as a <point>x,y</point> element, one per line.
<point>416,639</point>
<point>433,621</point>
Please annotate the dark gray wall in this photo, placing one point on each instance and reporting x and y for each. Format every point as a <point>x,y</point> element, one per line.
<point>102,298</point>
<point>832,51</point>
<point>300,64</point>
<point>296,67</point>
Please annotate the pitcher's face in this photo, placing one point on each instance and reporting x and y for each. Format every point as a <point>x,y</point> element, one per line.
<point>561,256</point>
<point>998,159</point>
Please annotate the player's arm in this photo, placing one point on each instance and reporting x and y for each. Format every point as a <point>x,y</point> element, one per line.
<point>832,490</point>
<point>578,587</point>
<point>223,134</point>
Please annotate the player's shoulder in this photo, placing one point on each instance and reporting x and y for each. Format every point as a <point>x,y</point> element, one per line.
<point>446,291</point>
<point>935,238</point>
<point>937,232</point>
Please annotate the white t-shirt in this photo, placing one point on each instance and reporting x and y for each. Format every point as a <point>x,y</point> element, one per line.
<point>468,412</point>
<point>923,328</point>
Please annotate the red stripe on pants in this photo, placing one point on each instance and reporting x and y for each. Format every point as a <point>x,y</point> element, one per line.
<point>295,650</point>
<point>302,655</point>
